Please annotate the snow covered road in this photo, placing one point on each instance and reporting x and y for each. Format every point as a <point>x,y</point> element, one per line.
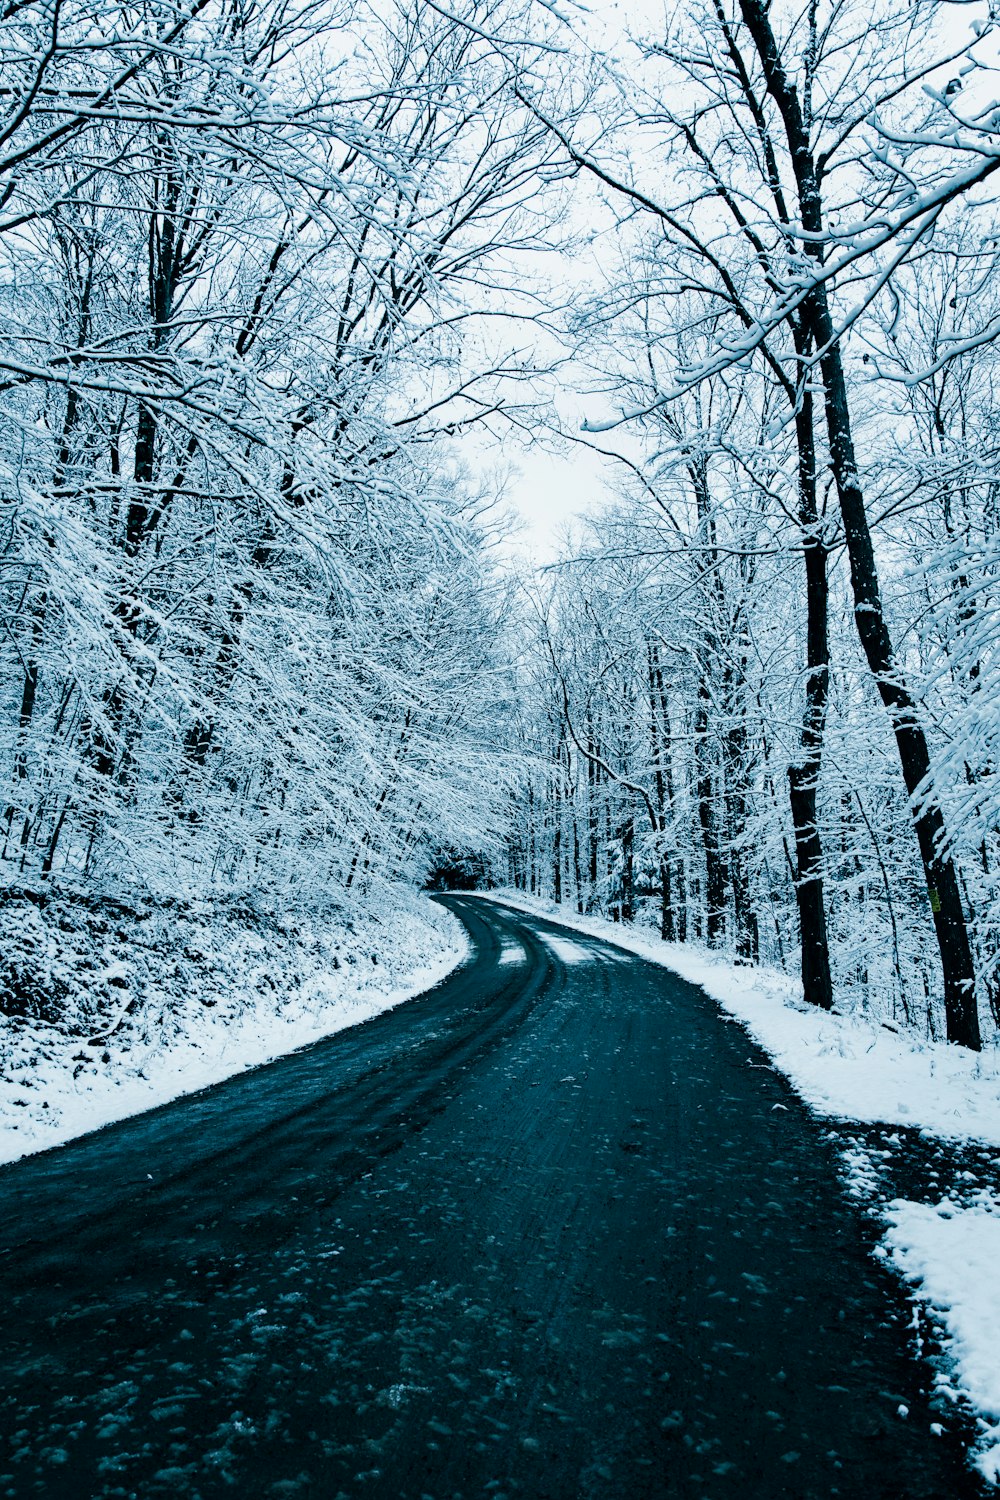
<point>552,1229</point>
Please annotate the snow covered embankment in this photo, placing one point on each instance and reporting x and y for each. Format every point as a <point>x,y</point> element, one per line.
<point>853,1069</point>
<point>164,1003</point>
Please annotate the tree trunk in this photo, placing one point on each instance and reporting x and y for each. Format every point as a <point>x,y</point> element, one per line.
<point>715,869</point>
<point>803,776</point>
<point>944,893</point>
<point>668,929</point>
<point>577,873</point>
<point>681,902</point>
<point>628,870</point>
<point>817,983</point>
<point>557,832</point>
<point>744,919</point>
<point>593,817</point>
<point>659,726</point>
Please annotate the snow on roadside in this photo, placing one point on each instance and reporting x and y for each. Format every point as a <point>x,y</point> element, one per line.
<point>854,1069</point>
<point>235,998</point>
<point>950,1254</point>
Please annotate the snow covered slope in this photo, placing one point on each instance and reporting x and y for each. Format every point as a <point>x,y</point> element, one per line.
<point>203,997</point>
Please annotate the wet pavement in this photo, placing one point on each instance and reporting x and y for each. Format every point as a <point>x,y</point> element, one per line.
<point>553,1230</point>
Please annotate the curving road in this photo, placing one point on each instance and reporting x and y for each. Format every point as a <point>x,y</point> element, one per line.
<point>551,1230</point>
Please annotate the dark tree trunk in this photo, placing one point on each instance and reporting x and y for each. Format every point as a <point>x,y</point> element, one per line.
<point>715,867</point>
<point>817,984</point>
<point>744,918</point>
<point>944,892</point>
<point>680,887</point>
<point>556,835</point>
<point>628,870</point>
<point>609,868</point>
<point>659,722</point>
<point>530,842</point>
<point>668,927</point>
<point>708,803</point>
<point>803,776</point>
<point>577,873</point>
<point>593,819</point>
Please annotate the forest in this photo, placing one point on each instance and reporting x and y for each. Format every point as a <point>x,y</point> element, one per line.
<point>275,275</point>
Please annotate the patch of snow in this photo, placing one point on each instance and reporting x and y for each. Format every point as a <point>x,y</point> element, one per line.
<point>570,953</point>
<point>512,953</point>
<point>950,1255</point>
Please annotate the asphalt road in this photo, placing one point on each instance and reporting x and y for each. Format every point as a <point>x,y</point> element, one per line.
<point>554,1229</point>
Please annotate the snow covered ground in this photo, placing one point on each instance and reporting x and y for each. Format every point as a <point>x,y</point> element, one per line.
<point>225,996</point>
<point>950,1255</point>
<point>854,1069</point>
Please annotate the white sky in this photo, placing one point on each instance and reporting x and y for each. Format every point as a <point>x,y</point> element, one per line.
<point>555,484</point>
<point>552,483</point>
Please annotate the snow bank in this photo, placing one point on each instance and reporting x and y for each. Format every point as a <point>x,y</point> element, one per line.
<point>854,1069</point>
<point>951,1254</point>
<point>200,998</point>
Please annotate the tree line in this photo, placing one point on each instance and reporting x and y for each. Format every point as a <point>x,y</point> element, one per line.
<point>251,252</point>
